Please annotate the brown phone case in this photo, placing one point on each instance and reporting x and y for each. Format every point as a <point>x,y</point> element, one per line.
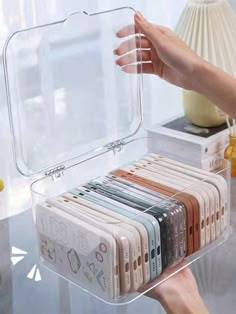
<point>190,202</point>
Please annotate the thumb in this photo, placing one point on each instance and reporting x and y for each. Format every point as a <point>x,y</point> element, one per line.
<point>150,31</point>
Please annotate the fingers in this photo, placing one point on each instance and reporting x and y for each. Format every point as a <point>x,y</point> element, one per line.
<point>132,44</point>
<point>127,30</point>
<point>166,275</point>
<point>153,33</point>
<point>135,29</point>
<point>136,56</point>
<point>146,68</point>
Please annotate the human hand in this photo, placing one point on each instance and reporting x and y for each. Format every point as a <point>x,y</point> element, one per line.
<point>162,53</point>
<point>178,294</point>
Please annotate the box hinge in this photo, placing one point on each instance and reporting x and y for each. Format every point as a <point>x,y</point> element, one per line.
<point>116,146</point>
<point>56,172</point>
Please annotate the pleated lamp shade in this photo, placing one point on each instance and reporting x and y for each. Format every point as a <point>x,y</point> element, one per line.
<point>209,28</point>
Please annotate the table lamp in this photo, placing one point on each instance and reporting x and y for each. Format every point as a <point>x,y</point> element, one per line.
<point>209,28</point>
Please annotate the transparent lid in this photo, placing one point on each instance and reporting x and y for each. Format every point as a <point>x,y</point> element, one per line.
<point>67,97</point>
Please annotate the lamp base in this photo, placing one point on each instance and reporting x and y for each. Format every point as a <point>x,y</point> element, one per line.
<point>200,111</point>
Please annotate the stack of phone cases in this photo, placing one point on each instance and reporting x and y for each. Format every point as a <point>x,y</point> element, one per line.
<point>116,233</point>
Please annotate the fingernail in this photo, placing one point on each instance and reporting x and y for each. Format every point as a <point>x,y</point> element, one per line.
<point>140,17</point>
<point>118,34</point>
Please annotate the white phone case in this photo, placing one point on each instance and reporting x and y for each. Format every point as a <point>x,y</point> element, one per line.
<point>103,223</point>
<point>71,247</point>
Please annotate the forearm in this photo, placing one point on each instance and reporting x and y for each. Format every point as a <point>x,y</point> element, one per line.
<point>217,86</point>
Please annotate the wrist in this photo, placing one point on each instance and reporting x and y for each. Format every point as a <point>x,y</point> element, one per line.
<point>185,303</point>
<point>201,73</point>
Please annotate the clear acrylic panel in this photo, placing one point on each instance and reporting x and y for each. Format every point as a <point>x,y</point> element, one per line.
<point>52,74</point>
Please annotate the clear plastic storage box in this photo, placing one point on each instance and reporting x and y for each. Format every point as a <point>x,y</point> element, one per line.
<point>76,121</point>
